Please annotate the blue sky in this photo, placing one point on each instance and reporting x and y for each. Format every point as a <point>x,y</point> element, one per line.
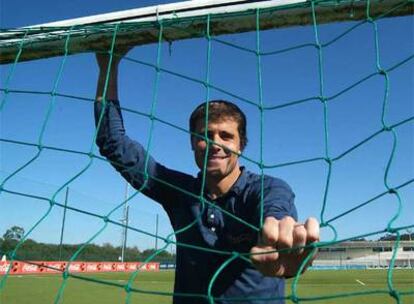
<point>290,134</point>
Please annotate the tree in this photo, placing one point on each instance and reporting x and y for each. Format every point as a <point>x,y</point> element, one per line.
<point>10,239</point>
<point>14,233</point>
<point>393,237</point>
<point>359,240</point>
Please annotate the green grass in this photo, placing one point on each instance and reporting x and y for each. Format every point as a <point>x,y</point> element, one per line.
<point>329,283</point>
<point>44,288</point>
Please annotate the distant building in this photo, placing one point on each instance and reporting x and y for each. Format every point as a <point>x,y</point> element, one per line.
<point>366,254</point>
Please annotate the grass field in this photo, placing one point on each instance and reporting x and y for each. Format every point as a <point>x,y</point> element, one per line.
<point>43,289</point>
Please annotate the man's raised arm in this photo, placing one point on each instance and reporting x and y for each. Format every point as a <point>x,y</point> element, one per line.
<point>127,156</point>
<point>103,64</point>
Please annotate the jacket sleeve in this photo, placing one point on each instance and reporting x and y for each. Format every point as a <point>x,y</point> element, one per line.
<point>278,199</point>
<point>130,158</point>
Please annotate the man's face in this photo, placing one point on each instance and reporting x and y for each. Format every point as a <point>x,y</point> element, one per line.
<point>221,162</point>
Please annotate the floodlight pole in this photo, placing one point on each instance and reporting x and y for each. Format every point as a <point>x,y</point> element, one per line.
<point>125,223</point>
<point>156,232</point>
<point>63,223</point>
<point>409,246</point>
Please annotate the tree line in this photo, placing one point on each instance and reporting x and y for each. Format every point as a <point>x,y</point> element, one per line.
<point>31,250</point>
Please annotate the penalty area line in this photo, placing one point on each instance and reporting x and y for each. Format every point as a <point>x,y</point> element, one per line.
<point>360,282</point>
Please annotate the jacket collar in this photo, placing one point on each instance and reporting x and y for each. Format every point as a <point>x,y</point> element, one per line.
<point>235,189</point>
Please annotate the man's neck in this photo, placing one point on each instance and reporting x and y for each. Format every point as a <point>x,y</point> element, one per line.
<point>218,187</point>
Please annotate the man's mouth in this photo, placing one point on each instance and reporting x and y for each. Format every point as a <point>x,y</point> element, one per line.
<point>217,157</point>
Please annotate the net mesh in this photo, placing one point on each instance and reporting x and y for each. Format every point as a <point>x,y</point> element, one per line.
<point>330,159</point>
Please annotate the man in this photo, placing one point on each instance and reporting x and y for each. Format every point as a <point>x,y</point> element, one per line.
<point>216,214</point>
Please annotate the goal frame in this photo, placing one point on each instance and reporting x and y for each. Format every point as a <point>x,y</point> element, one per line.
<point>182,20</point>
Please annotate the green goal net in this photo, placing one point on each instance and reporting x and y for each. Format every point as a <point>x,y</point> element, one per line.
<point>327,89</point>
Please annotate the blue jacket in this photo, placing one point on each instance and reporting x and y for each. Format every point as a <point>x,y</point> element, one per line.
<point>208,232</point>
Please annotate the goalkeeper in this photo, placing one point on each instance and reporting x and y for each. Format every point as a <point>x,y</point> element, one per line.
<point>227,185</point>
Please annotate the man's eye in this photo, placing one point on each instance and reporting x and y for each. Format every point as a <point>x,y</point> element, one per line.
<point>226,136</point>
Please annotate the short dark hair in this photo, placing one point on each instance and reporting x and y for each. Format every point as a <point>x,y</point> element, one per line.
<point>217,111</point>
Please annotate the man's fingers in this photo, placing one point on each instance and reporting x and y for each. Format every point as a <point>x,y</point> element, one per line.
<point>312,230</point>
<point>265,259</point>
<point>103,58</point>
<point>306,234</point>
<point>270,231</point>
<point>122,50</point>
<point>287,233</point>
<point>299,237</point>
<point>270,258</point>
<point>264,254</point>
<point>286,228</point>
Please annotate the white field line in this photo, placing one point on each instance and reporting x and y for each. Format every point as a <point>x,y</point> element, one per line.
<point>360,282</point>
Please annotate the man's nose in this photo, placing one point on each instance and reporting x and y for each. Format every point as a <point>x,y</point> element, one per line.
<point>215,142</point>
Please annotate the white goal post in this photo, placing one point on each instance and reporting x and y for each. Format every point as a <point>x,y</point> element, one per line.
<point>182,20</point>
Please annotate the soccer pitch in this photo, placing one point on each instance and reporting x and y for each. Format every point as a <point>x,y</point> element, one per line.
<point>44,288</point>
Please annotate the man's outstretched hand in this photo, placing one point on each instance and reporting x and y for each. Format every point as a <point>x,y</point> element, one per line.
<point>103,60</point>
<point>284,234</point>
